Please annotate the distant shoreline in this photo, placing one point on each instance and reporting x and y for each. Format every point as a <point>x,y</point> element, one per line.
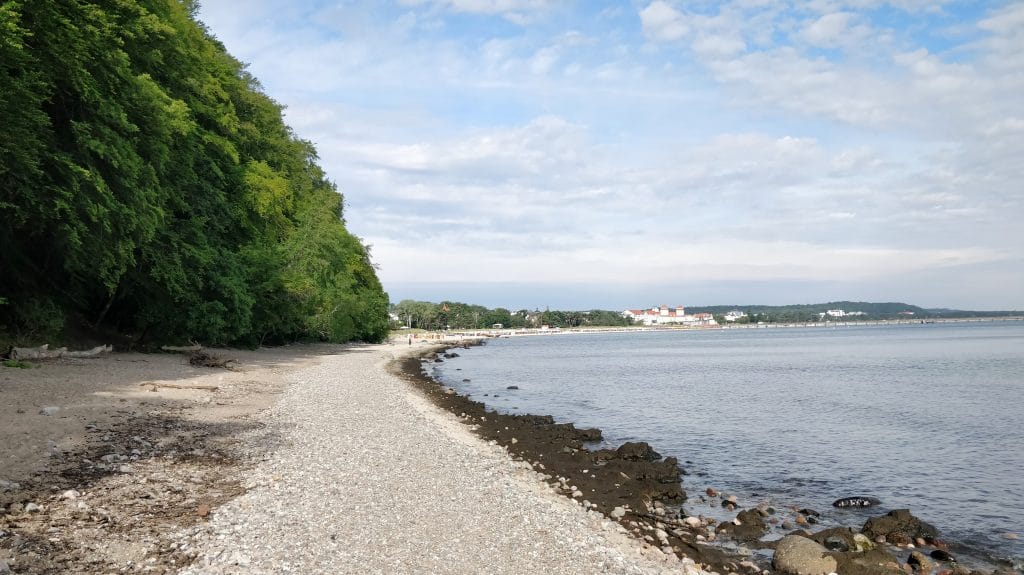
<point>460,335</point>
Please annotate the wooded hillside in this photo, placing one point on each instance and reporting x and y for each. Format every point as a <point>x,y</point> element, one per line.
<point>149,186</point>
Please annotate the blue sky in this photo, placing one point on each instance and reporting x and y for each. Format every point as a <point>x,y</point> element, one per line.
<point>571,154</point>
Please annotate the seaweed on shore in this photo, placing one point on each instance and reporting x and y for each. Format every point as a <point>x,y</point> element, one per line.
<point>632,484</point>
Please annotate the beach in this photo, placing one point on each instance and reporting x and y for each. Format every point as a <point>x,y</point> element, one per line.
<point>304,459</point>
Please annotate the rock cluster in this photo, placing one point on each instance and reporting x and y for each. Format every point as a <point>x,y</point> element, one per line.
<point>898,527</point>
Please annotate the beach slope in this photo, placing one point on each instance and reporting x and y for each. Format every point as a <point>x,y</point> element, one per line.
<point>369,477</point>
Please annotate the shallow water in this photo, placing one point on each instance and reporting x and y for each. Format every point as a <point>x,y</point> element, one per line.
<point>926,417</point>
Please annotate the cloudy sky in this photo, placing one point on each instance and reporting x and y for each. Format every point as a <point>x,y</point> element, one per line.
<point>582,154</point>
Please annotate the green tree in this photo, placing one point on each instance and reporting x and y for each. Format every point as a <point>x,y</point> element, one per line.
<point>147,183</point>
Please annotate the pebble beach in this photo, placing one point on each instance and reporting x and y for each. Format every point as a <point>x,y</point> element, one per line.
<point>366,476</point>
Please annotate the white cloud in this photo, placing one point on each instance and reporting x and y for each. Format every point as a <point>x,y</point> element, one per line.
<point>662,22</point>
<point>837,29</point>
<point>730,141</point>
<point>719,45</point>
<point>517,11</point>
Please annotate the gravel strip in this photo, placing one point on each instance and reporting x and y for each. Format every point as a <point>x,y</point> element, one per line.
<point>369,477</point>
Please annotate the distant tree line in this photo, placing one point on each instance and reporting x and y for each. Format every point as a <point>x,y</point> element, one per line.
<point>457,315</point>
<point>150,188</point>
<point>812,312</point>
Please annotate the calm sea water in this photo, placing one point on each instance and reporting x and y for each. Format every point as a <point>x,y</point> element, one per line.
<point>926,417</point>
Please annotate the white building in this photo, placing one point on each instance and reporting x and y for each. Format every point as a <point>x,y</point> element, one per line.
<point>665,315</point>
<point>735,315</point>
<point>840,313</point>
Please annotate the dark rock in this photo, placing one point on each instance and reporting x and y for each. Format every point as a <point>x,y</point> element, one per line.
<point>898,539</point>
<point>836,539</point>
<point>898,525</point>
<point>809,513</point>
<point>637,451</point>
<point>835,544</point>
<point>873,562</point>
<point>942,555</point>
<point>589,434</point>
<point>858,501</point>
<point>512,387</point>
<point>751,527</point>
<point>536,420</point>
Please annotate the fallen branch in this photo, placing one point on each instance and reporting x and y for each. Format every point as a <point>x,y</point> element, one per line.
<point>153,386</point>
<point>90,352</point>
<point>182,348</point>
<point>44,352</point>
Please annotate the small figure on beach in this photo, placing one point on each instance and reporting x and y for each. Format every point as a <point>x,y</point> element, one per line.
<point>410,339</point>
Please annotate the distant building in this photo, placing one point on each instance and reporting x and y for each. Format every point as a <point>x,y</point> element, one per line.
<point>665,315</point>
<point>735,315</point>
<point>840,313</point>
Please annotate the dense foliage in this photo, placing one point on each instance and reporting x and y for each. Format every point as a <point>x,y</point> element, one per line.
<point>148,185</point>
<point>455,315</point>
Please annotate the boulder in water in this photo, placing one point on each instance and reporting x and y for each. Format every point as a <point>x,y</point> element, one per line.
<point>942,555</point>
<point>899,527</point>
<point>637,451</point>
<point>751,526</point>
<point>859,501</point>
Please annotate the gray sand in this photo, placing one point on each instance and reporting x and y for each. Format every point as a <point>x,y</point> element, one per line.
<point>369,477</point>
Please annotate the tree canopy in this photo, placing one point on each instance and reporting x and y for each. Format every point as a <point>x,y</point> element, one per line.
<point>149,185</point>
<point>456,315</point>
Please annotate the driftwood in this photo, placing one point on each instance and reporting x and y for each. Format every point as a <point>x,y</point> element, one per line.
<point>203,359</point>
<point>44,352</point>
<point>153,386</point>
<point>90,352</point>
<point>182,348</point>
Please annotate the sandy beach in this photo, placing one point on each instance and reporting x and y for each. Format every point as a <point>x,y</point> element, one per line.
<point>304,459</point>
